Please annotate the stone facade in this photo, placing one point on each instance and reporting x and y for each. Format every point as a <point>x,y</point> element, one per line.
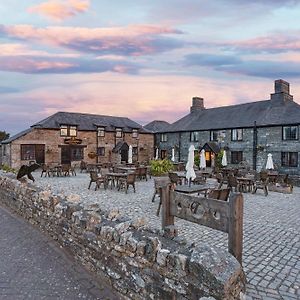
<point>138,263</point>
<point>53,142</point>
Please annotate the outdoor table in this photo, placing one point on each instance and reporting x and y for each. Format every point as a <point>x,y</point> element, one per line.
<point>245,181</point>
<point>272,176</point>
<point>181,175</point>
<point>115,176</point>
<point>195,188</point>
<point>127,169</point>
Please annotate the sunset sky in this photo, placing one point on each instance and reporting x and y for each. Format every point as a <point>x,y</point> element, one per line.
<point>142,59</point>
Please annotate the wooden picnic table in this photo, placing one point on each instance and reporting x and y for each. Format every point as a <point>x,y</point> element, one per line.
<point>194,188</point>
<point>247,182</point>
<point>115,177</point>
<point>127,169</point>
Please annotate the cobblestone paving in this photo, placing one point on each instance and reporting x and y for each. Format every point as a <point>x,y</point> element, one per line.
<point>32,267</point>
<point>271,257</point>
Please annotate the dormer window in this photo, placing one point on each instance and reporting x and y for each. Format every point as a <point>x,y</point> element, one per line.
<point>101,131</point>
<point>68,130</point>
<point>135,133</point>
<point>118,132</point>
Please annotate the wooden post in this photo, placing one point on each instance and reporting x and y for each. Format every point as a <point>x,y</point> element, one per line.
<point>167,218</point>
<point>235,232</point>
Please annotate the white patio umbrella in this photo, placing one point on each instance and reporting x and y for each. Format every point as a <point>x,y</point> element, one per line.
<point>190,172</point>
<point>130,154</point>
<point>156,154</point>
<point>269,164</point>
<point>173,155</point>
<point>202,159</point>
<point>224,159</point>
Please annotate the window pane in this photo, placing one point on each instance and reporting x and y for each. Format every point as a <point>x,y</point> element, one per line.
<point>134,133</point>
<point>290,132</point>
<point>194,136</point>
<point>101,131</point>
<point>73,131</point>
<point>101,151</point>
<point>76,153</point>
<point>236,157</point>
<point>27,152</point>
<point>118,132</point>
<point>64,130</point>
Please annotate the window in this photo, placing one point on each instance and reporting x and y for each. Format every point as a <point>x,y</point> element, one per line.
<point>76,153</point>
<point>101,151</point>
<point>194,136</point>
<point>163,137</point>
<point>118,132</point>
<point>3,150</point>
<point>289,159</point>
<point>237,134</point>
<point>135,133</point>
<point>101,131</point>
<point>27,152</point>
<point>64,130</point>
<point>290,132</point>
<point>135,150</point>
<point>214,135</point>
<point>68,130</point>
<point>236,157</point>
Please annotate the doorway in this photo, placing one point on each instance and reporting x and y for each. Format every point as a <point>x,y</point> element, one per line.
<point>40,154</point>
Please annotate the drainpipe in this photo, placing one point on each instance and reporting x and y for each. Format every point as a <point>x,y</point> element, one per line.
<point>254,146</point>
<point>179,147</point>
<point>97,145</point>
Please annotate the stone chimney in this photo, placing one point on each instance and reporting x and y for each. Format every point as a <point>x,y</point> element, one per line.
<point>197,104</point>
<point>282,92</point>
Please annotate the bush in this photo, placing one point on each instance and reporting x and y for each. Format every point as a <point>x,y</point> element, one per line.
<point>160,167</point>
<point>219,159</point>
<point>7,169</point>
<point>197,160</point>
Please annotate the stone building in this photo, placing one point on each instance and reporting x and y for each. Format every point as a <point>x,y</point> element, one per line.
<point>247,131</point>
<point>67,137</point>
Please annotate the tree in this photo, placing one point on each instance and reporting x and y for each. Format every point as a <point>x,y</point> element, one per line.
<point>3,135</point>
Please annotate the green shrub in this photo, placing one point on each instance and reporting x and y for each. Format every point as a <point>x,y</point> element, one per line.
<point>160,167</point>
<point>197,160</point>
<point>7,168</point>
<point>219,159</point>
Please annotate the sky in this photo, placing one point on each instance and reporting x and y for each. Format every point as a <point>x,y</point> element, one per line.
<point>142,59</point>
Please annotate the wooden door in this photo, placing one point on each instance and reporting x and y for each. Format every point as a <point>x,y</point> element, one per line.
<point>65,155</point>
<point>40,154</point>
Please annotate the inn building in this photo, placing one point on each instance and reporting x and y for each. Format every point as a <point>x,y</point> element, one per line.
<point>71,137</point>
<point>248,132</point>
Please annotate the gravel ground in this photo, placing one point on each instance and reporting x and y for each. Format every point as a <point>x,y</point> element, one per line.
<point>271,257</point>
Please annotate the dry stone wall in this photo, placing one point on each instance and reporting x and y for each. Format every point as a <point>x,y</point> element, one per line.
<point>139,263</point>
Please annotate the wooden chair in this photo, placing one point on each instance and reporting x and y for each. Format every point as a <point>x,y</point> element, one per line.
<point>46,170</point>
<point>175,179</point>
<point>219,194</point>
<point>233,183</point>
<point>200,179</point>
<point>65,169</point>
<point>126,182</point>
<point>261,182</point>
<point>97,179</point>
<point>220,179</point>
<point>83,166</point>
<point>142,173</point>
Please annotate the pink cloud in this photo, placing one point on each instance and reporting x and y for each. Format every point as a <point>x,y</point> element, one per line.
<point>60,10</point>
<point>131,40</point>
<point>273,43</point>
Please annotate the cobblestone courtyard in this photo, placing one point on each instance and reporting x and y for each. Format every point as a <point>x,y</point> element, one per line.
<point>271,257</point>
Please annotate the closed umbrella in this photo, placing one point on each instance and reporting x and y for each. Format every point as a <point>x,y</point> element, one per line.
<point>202,159</point>
<point>190,172</point>
<point>173,155</point>
<point>156,155</point>
<point>269,165</point>
<point>224,159</point>
<point>130,154</point>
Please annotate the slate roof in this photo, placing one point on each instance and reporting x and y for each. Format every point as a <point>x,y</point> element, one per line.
<point>89,122</point>
<point>265,113</point>
<point>120,145</point>
<point>16,136</point>
<point>156,125</point>
<point>211,146</point>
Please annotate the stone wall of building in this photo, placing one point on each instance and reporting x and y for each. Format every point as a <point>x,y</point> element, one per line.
<point>52,140</point>
<point>269,140</point>
<point>139,263</point>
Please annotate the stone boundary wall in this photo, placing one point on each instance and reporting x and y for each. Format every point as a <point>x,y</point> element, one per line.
<point>138,263</point>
